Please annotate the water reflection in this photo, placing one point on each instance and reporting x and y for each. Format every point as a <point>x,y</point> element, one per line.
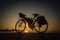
<point>30,36</point>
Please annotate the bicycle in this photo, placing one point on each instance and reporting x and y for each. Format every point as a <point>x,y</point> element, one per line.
<point>35,23</point>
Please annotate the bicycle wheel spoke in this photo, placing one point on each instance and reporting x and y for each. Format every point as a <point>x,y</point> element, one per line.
<point>40,28</point>
<point>20,26</point>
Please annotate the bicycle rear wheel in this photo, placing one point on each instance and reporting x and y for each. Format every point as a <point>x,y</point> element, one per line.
<point>40,28</point>
<point>20,26</point>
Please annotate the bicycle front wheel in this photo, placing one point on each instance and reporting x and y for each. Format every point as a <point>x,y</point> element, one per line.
<point>20,26</point>
<point>40,28</point>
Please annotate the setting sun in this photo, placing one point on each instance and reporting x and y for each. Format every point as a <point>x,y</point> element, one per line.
<point>26,31</point>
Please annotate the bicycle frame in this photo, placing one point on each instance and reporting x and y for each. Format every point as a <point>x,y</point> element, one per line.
<point>31,22</point>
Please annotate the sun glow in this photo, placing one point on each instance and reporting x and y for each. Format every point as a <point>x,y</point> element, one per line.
<point>26,31</point>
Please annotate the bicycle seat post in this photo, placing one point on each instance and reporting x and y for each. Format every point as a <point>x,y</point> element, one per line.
<point>35,15</point>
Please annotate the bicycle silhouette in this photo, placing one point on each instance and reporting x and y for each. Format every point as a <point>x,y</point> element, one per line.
<point>35,23</point>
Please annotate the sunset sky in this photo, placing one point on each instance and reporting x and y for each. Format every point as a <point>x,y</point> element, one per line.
<point>10,9</point>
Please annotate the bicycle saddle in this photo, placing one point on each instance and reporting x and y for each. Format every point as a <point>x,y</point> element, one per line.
<point>35,15</point>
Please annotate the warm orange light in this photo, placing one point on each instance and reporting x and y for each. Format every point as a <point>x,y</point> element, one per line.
<point>26,31</point>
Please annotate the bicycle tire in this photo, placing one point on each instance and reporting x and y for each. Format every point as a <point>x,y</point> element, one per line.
<point>42,31</point>
<point>17,24</point>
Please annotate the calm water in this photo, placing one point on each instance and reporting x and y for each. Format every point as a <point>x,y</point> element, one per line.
<point>29,36</point>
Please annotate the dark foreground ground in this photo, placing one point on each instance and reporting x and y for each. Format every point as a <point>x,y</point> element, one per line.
<point>30,36</point>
